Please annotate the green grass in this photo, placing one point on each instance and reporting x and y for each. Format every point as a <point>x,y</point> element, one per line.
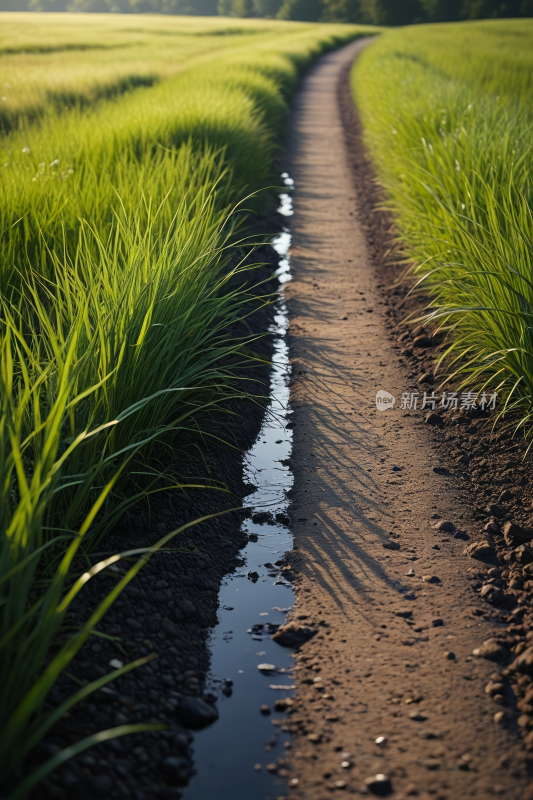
<point>447,117</point>
<point>120,286</point>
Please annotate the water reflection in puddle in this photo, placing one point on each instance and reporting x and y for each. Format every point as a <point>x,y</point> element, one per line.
<point>227,753</point>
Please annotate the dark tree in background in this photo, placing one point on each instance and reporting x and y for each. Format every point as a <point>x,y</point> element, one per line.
<point>234,8</point>
<point>266,8</point>
<point>346,11</point>
<point>375,12</point>
<point>487,9</point>
<point>394,12</point>
<point>303,10</point>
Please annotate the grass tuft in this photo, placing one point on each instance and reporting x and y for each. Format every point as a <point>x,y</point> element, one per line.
<point>446,111</point>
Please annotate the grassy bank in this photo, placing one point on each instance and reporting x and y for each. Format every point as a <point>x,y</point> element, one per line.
<point>119,293</point>
<point>446,112</point>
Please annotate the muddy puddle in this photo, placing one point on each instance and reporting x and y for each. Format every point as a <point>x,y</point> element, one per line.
<point>231,756</point>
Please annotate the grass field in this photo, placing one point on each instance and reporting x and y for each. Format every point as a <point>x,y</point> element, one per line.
<point>126,143</point>
<point>447,115</point>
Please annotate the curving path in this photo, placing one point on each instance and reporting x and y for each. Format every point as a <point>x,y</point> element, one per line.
<point>383,667</point>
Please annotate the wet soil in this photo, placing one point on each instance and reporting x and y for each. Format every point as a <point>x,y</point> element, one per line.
<point>416,682</point>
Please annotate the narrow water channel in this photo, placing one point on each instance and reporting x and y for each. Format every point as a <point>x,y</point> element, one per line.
<point>231,757</point>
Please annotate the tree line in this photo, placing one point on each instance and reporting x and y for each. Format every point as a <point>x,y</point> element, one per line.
<point>372,12</point>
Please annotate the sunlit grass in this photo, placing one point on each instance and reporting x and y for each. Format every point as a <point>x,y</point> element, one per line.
<point>447,117</point>
<point>121,293</point>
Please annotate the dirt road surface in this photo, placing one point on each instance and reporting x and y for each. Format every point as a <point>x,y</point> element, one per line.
<point>393,656</point>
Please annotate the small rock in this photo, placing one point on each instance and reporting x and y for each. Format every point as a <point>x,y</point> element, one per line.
<point>406,614</point>
<point>492,527</point>
<point>437,622</point>
<point>495,511</point>
<point>492,650</point>
<point>433,419</point>
<point>340,784</point>
<point>492,594</point>
<point>417,716</point>
<point>430,579</point>
<point>515,535</point>
<point>257,767</point>
<point>427,377</point>
<point>381,741</point>
<point>134,624</point>
<point>391,545</point>
<point>379,785</point>
<point>523,554</point>
<point>282,703</point>
<point>265,710</point>
<point>445,526</point>
<point>505,495</point>
<point>292,635</point>
<point>525,721</point>
<point>524,662</point>
<point>449,655</point>
<point>500,718</point>
<point>175,770</point>
<point>195,713</point>
<point>266,667</point>
<point>479,550</point>
<point>493,688</point>
<point>314,737</point>
<point>410,573</point>
<point>271,768</point>
<point>458,534</point>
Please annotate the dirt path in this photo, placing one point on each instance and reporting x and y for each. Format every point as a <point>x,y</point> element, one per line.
<point>363,478</point>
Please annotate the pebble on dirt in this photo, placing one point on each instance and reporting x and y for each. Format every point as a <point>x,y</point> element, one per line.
<point>479,550</point>
<point>444,525</point>
<point>292,635</point>
<point>391,545</point>
<point>515,535</point>
<point>379,784</point>
<point>418,716</point>
<point>450,656</point>
<point>492,650</point>
<point>524,662</point>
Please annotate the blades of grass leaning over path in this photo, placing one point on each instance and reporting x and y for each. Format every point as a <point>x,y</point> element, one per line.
<point>446,112</point>
<point>123,302</point>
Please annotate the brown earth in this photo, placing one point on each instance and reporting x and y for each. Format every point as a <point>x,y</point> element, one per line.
<point>393,656</point>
